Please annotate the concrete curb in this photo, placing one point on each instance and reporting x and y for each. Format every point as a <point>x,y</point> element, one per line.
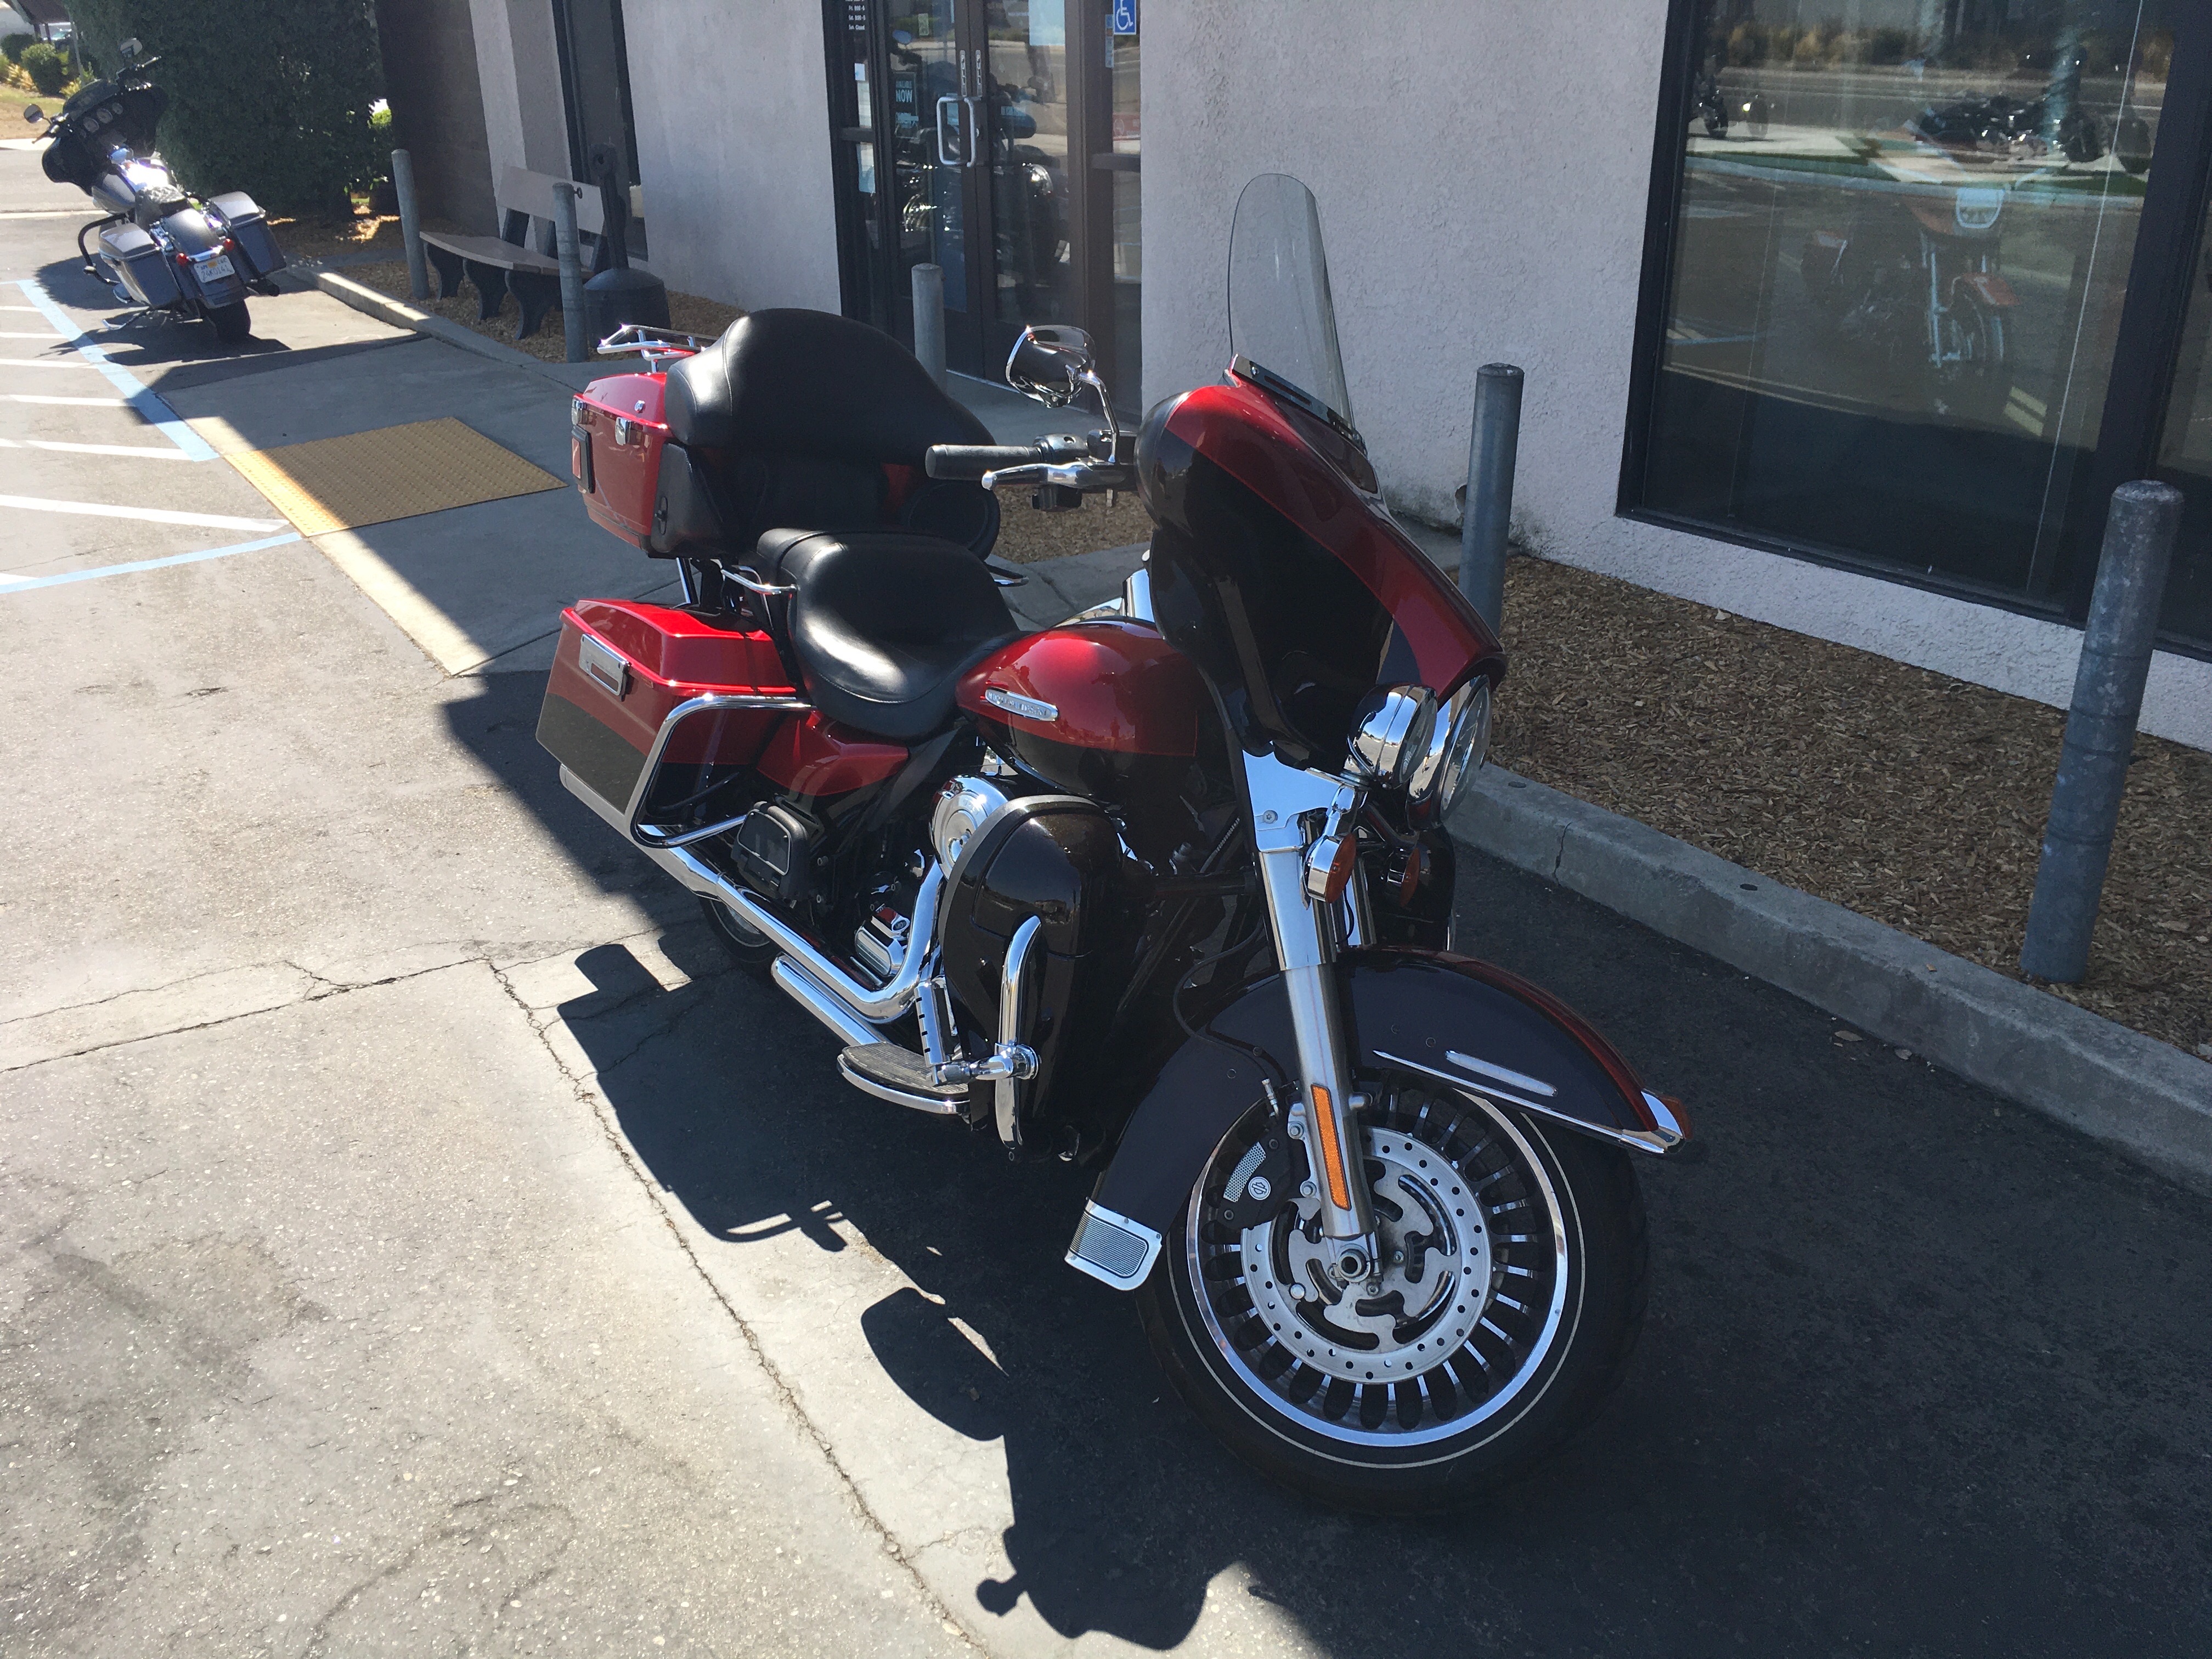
<point>2144,1097</point>
<point>400,314</point>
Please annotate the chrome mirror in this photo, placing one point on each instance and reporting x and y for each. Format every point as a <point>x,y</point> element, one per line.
<point>34,114</point>
<point>130,49</point>
<point>1051,363</point>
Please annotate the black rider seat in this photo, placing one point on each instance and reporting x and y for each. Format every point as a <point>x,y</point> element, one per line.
<point>155,203</point>
<point>883,624</point>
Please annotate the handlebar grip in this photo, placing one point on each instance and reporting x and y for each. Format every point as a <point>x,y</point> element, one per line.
<point>974,460</point>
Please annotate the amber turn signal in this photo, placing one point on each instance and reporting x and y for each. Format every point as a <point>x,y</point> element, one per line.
<point>1406,877</point>
<point>1329,866</point>
<point>1332,1155</point>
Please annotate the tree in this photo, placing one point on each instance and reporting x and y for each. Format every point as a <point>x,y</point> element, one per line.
<point>271,97</point>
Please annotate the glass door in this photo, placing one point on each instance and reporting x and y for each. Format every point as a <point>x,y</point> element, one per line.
<point>995,139</point>
<point>1026,109</point>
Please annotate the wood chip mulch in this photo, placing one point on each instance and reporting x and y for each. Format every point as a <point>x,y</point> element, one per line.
<point>303,240</point>
<point>1913,799</point>
<point>1026,535</point>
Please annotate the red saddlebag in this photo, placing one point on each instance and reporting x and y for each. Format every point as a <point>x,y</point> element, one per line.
<point>623,671</point>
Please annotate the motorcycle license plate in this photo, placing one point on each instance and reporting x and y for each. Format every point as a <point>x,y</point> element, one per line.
<point>216,269</point>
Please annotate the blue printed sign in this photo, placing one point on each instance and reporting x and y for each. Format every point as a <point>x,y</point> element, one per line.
<point>1125,16</point>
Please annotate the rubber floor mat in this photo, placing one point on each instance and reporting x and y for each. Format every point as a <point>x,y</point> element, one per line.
<point>392,472</point>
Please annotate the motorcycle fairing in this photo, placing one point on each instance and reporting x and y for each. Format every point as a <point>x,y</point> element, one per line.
<point>1467,1024</point>
<point>1276,567</point>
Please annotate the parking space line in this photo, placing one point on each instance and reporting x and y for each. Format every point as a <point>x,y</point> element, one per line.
<point>144,514</point>
<point>24,584</point>
<point>150,408</point>
<point>148,451</point>
<point>83,402</point>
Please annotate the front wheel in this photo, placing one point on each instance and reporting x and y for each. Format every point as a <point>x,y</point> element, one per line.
<point>1503,1313</point>
<point>231,323</point>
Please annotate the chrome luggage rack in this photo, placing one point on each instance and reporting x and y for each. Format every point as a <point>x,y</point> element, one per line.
<point>655,345</point>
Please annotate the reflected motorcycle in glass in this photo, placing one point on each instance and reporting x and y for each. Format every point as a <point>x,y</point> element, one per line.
<point>1163,890</point>
<point>1914,273</point>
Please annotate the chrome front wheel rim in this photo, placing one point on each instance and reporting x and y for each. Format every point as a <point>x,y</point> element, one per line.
<point>1393,1362</point>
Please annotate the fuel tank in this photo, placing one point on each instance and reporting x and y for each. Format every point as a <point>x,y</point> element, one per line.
<point>1105,708</point>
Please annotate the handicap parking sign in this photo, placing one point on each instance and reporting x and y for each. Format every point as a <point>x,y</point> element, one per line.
<point>1125,16</point>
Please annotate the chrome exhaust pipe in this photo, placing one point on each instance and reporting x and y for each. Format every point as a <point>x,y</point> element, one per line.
<point>803,989</point>
<point>887,1003</point>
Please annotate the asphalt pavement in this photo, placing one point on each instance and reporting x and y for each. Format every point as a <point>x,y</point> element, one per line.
<point>416,1241</point>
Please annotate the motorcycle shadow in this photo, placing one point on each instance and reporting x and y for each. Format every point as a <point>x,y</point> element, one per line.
<point>171,353</point>
<point>1125,1510</point>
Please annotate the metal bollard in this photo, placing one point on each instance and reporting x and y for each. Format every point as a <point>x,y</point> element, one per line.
<point>411,225</point>
<point>2100,730</point>
<point>1488,515</point>
<point>929,319</point>
<point>572,272</point>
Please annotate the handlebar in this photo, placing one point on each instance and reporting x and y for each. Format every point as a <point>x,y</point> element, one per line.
<point>974,460</point>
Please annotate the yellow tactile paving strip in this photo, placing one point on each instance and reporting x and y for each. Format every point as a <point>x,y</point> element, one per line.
<point>393,472</point>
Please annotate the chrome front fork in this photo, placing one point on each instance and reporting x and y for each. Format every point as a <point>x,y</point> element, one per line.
<point>1291,809</point>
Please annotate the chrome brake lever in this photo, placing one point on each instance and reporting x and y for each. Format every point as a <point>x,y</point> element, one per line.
<point>1088,477</point>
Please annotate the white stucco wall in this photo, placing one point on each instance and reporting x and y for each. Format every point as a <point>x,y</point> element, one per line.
<point>1482,171</point>
<point>733,115</point>
<point>518,72</point>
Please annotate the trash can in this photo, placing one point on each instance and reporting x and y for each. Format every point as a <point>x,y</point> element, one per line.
<point>619,294</point>
<point>624,294</point>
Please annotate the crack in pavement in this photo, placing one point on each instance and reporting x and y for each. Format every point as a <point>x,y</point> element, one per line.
<point>336,990</point>
<point>594,1101</point>
<point>320,986</point>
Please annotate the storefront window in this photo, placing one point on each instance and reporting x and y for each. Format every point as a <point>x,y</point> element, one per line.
<point>1901,241</point>
<point>2185,461</point>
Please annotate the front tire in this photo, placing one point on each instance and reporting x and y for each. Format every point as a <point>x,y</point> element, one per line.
<point>1384,1409</point>
<point>230,322</point>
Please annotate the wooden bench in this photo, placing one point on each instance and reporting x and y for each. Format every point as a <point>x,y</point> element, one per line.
<point>505,263</point>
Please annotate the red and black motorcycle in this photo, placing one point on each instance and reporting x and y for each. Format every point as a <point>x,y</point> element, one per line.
<point>1162,890</point>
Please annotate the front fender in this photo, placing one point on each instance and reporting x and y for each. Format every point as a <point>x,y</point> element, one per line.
<point>1463,1023</point>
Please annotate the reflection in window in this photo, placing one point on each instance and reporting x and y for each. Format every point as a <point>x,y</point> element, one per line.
<point>1125,147</point>
<point>2185,461</point>
<point>925,72</point>
<point>1903,236</point>
<point>1029,160</point>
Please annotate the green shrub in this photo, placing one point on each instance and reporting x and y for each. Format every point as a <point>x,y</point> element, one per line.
<point>48,70</point>
<point>271,97</point>
<point>11,46</point>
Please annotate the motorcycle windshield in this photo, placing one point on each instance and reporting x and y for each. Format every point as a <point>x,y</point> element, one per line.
<point>1281,318</point>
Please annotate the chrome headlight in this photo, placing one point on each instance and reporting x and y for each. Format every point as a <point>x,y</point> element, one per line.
<point>1460,739</point>
<point>1396,733</point>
